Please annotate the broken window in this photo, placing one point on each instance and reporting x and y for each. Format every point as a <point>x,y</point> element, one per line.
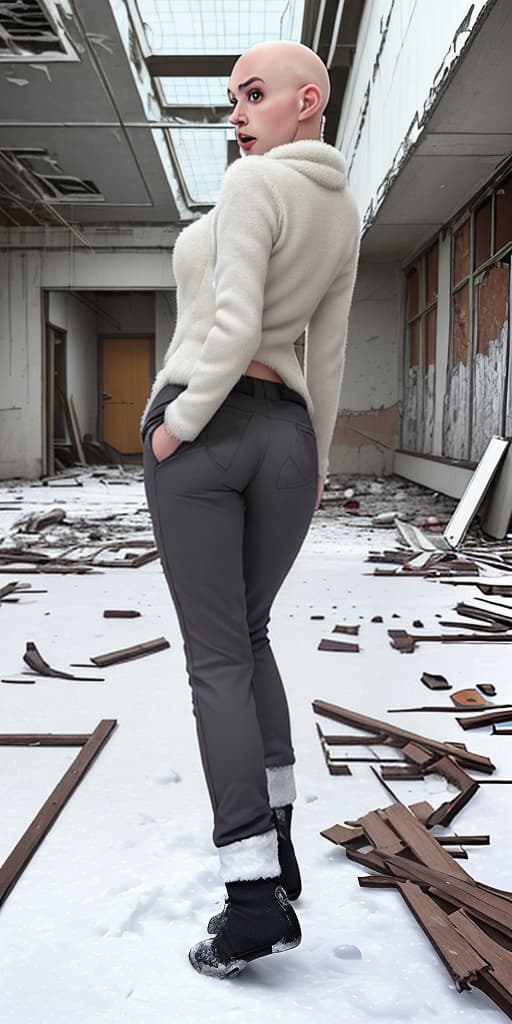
<point>503,208</point>
<point>478,399</point>
<point>422,287</point>
<point>431,274</point>
<point>483,232</point>
<point>413,293</point>
<point>460,326</point>
<point>461,252</point>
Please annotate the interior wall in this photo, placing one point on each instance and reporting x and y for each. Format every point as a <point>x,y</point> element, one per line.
<point>165,322</point>
<point>125,312</point>
<point>403,50</point>
<point>367,425</point>
<point>71,314</point>
<point>21,368</point>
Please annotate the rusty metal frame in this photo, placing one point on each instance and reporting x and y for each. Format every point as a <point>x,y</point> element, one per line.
<point>91,745</point>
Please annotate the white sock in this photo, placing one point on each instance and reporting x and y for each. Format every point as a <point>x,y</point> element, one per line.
<point>281,785</point>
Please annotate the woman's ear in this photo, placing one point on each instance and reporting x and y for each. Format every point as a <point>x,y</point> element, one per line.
<point>312,99</point>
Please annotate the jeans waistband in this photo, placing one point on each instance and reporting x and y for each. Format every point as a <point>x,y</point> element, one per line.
<point>271,389</point>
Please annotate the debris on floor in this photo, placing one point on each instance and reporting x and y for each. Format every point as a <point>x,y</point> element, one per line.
<point>468,923</point>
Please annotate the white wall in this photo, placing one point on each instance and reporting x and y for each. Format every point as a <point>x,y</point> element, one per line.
<point>366,430</point>
<point>21,418</point>
<point>387,91</point>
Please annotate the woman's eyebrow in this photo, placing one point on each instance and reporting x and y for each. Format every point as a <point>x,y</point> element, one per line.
<point>243,85</point>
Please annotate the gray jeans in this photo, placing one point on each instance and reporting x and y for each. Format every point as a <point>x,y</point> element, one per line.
<point>230,511</point>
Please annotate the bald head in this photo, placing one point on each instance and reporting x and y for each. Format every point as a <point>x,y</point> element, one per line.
<point>280,90</point>
<point>293,63</point>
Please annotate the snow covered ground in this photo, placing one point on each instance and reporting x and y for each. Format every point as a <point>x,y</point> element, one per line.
<point>99,925</point>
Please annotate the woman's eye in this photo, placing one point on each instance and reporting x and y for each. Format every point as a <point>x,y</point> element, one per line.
<point>253,92</point>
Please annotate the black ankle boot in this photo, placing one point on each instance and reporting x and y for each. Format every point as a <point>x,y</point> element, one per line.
<point>260,921</point>
<point>290,874</point>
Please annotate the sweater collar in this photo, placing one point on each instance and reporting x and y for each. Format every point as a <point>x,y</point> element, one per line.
<point>315,159</point>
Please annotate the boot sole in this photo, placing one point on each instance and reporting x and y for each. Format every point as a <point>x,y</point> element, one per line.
<point>235,967</point>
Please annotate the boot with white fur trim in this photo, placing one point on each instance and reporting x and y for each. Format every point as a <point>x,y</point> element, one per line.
<point>290,874</point>
<point>261,921</point>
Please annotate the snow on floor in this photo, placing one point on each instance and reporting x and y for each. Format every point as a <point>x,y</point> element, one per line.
<point>99,925</point>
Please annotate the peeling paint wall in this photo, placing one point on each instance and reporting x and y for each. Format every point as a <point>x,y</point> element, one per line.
<point>412,410</point>
<point>429,382</point>
<point>490,383</point>
<point>456,413</point>
<point>404,50</point>
<point>492,341</point>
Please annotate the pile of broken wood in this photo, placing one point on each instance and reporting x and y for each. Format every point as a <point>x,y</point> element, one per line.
<point>31,547</point>
<point>468,922</point>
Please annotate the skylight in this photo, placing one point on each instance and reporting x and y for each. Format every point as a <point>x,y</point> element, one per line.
<point>203,27</point>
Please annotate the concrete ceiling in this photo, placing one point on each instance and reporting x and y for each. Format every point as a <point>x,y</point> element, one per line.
<point>466,136</point>
<point>81,112</point>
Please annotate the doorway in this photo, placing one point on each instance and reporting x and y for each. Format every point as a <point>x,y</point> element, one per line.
<point>56,386</point>
<point>126,369</point>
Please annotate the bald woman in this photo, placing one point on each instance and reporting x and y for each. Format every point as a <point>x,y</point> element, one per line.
<point>236,442</point>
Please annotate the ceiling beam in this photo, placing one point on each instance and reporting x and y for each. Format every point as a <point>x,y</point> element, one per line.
<point>199,65</point>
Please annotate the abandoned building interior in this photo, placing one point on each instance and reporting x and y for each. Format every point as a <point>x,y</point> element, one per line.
<point>119,137</point>
<point>392,628</point>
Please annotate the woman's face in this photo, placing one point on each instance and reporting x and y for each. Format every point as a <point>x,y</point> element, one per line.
<point>266,105</point>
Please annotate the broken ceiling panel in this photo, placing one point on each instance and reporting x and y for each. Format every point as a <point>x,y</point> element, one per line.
<point>31,28</point>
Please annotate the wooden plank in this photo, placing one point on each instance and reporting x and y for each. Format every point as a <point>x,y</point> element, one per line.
<point>499,958</point>
<point>422,810</point>
<point>340,835</point>
<point>338,645</point>
<point>16,862</point>
<point>337,740</point>
<point>457,954</point>
<point>127,653</point>
<point>490,718</point>
<point>420,842</point>
<point>378,882</point>
<point>445,814</point>
<point>489,907</point>
<point>380,834</point>
<point>463,840</point>
<point>43,739</point>
<point>347,717</point>
<point>407,771</point>
<point>417,755</point>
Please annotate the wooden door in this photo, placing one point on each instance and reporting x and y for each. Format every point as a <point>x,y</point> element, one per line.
<point>126,385</point>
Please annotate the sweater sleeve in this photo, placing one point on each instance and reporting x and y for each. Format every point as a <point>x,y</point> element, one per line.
<point>326,336</point>
<point>246,225</point>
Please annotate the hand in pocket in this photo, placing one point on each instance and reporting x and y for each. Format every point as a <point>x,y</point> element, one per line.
<point>162,444</point>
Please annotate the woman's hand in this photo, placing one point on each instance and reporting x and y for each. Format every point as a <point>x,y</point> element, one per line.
<point>163,444</point>
<point>319,492</point>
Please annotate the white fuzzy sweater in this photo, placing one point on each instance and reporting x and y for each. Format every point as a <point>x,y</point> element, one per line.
<point>275,257</point>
